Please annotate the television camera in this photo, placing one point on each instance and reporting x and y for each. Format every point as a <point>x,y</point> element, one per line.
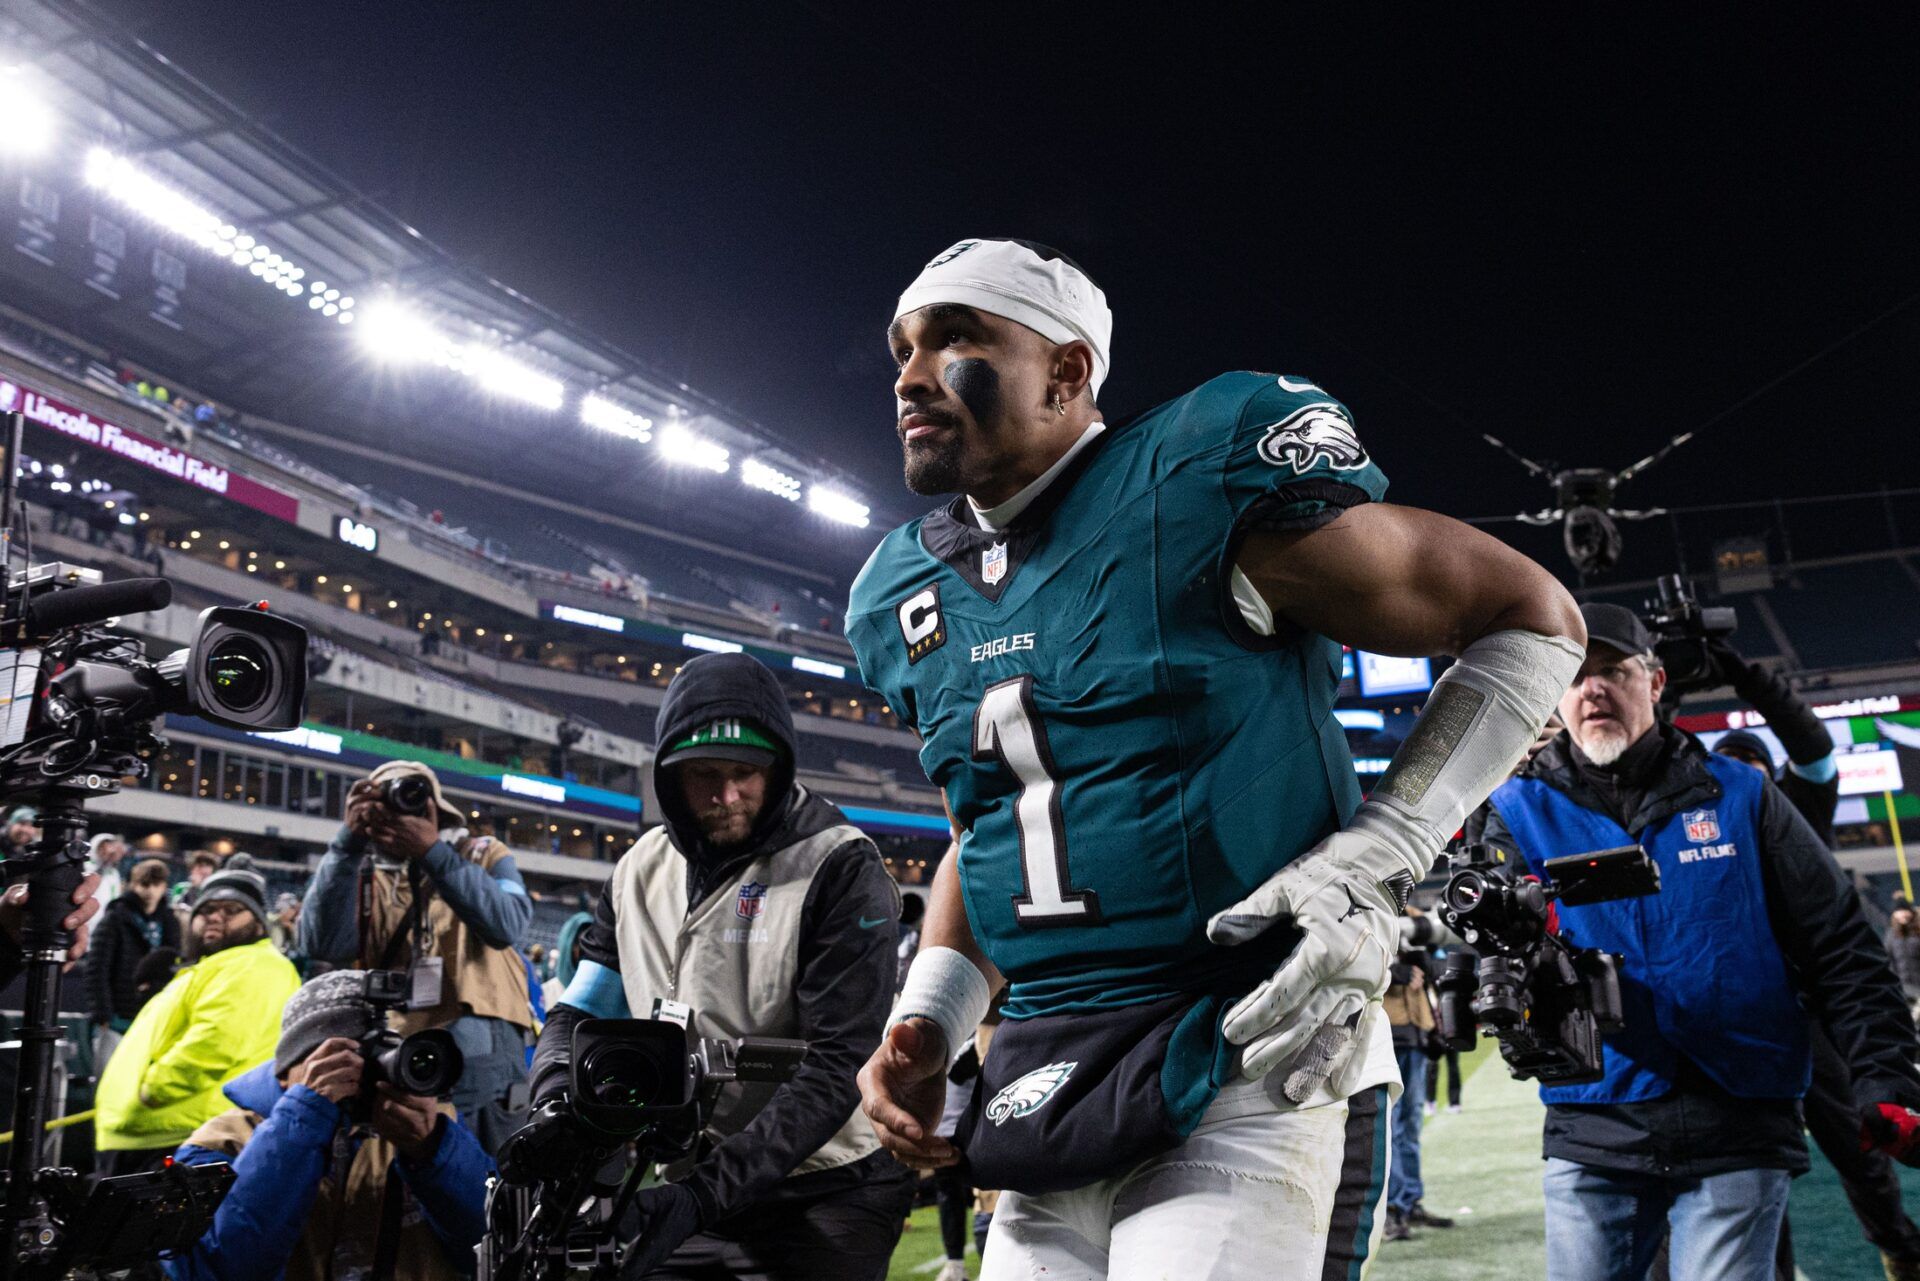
<point>639,1092</point>
<point>1546,1002</point>
<point>1682,629</point>
<point>78,704</point>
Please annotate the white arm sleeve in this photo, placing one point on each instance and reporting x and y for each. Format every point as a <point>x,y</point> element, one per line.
<point>947,989</point>
<point>1483,713</point>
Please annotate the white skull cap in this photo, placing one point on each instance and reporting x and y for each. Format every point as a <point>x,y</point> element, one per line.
<point>1049,295</point>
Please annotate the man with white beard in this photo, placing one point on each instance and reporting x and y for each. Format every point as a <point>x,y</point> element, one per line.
<point>1695,1121</point>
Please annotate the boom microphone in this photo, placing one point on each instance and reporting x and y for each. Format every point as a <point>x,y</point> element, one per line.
<point>79,606</point>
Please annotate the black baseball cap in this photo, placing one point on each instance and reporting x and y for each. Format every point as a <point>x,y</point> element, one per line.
<point>1617,626</point>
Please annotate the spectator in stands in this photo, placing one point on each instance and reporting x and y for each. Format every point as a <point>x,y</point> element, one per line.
<point>757,904</point>
<point>217,1017</point>
<point>1811,778</point>
<point>418,893</point>
<point>403,1197</point>
<point>23,829</point>
<point>1409,1007</point>
<point>566,957</point>
<point>200,865</point>
<point>132,926</point>
<point>104,852</point>
<point>1696,1119</point>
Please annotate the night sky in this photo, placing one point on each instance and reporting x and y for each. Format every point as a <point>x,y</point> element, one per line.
<point>1582,235</point>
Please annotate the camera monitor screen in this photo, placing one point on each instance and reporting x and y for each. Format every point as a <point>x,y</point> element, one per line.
<point>1381,675</point>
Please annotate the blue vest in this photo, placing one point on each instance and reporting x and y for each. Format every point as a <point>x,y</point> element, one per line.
<point>1701,973</point>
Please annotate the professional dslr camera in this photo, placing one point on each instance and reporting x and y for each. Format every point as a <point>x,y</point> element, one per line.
<point>78,704</point>
<point>426,1062</point>
<point>1545,1001</point>
<point>410,794</point>
<point>639,1092</point>
<point>1682,628</point>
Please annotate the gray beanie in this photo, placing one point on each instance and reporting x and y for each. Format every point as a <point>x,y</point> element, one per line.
<point>334,1004</point>
<point>237,882</point>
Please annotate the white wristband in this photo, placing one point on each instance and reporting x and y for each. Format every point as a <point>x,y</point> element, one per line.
<point>947,989</point>
<point>1482,715</point>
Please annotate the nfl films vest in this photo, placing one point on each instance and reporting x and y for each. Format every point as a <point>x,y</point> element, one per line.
<point>734,958</point>
<point>1702,973</point>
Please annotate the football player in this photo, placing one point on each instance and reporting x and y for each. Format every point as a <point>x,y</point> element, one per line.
<point>1120,645</point>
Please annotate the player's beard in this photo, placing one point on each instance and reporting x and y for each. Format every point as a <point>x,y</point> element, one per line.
<point>937,466</point>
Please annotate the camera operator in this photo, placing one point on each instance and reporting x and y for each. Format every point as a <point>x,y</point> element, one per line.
<point>758,905</point>
<point>1811,779</point>
<point>217,1016</point>
<point>415,891</point>
<point>400,1194</point>
<point>1696,1118</point>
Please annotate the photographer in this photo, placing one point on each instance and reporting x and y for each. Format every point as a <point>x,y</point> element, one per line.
<point>762,908</point>
<point>215,1018</point>
<point>404,886</point>
<point>403,1197</point>
<point>23,829</point>
<point>1696,1119</point>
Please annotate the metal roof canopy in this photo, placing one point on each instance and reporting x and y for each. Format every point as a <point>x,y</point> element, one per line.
<point>116,88</point>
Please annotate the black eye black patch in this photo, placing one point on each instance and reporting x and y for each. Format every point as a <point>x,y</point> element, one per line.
<point>977,384</point>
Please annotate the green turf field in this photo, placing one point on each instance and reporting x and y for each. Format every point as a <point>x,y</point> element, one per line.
<point>1482,1166</point>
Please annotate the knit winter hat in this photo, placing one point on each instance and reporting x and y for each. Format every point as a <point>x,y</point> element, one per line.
<point>334,1004</point>
<point>236,882</point>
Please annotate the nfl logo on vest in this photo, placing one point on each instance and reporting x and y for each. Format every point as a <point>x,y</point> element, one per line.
<point>752,900</point>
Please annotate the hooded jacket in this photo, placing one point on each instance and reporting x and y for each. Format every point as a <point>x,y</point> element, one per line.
<point>124,934</point>
<point>840,986</point>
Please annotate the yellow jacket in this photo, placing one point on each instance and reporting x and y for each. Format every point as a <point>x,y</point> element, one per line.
<point>217,1018</point>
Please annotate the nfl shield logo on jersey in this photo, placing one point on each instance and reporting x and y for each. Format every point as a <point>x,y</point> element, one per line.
<point>752,901</point>
<point>993,564</point>
<point>1702,826</point>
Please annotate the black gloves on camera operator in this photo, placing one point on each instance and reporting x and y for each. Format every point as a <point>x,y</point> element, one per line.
<point>1812,780</point>
<point>669,1214</point>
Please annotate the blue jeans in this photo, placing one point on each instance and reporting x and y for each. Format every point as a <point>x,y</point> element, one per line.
<point>1603,1225</point>
<point>1404,1188</point>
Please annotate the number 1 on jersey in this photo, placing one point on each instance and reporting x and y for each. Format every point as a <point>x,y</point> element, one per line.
<point>1007,729</point>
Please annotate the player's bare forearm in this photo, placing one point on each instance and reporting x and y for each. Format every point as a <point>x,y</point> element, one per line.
<point>1399,580</point>
<point>946,923</point>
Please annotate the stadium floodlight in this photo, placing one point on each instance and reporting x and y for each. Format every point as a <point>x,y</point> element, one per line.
<point>125,183</point>
<point>504,376</point>
<point>28,126</point>
<point>679,445</point>
<point>394,331</point>
<point>837,506</point>
<point>612,416</point>
<point>761,475</point>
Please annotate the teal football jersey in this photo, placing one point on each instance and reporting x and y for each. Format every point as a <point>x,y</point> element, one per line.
<point>1124,755</point>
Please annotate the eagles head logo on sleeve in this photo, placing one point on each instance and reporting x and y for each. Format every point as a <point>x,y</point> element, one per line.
<point>1026,1094</point>
<point>1308,437</point>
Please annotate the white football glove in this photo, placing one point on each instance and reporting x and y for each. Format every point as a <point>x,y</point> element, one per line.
<point>1307,1015</point>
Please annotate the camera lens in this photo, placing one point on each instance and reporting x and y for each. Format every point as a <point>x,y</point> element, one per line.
<point>240,672</point>
<point>622,1076</point>
<point>425,1063</point>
